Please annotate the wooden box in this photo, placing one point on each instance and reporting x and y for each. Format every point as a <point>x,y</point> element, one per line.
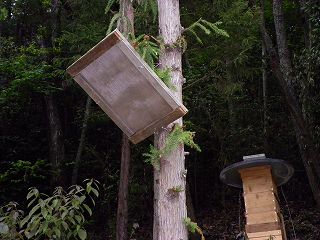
<point>274,235</point>
<point>126,88</point>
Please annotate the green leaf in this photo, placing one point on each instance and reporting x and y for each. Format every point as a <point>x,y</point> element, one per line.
<point>65,225</point>
<point>24,221</point>
<point>78,218</point>
<point>57,232</point>
<point>54,203</point>
<point>64,214</point>
<point>95,192</point>
<point>88,209</point>
<point>82,234</point>
<point>44,212</point>
<point>4,229</point>
<point>33,210</point>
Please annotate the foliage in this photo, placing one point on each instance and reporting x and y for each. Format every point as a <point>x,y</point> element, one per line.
<point>147,49</point>
<point>165,76</point>
<point>60,216</point>
<point>207,28</point>
<point>10,217</point>
<point>3,14</point>
<point>177,137</point>
<point>147,6</point>
<point>193,227</point>
<point>20,171</point>
<point>223,93</point>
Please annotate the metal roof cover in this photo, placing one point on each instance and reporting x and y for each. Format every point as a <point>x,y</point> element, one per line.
<point>126,88</point>
<point>281,170</point>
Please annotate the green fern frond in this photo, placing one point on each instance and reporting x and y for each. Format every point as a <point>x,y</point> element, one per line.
<point>153,157</point>
<point>177,137</point>
<point>215,28</point>
<point>109,5</point>
<point>195,35</point>
<point>149,6</point>
<point>165,76</point>
<point>203,27</point>
<point>207,27</point>
<point>114,19</point>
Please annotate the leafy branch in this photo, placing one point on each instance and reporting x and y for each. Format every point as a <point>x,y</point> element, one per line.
<point>60,216</point>
<point>177,137</point>
<point>207,27</point>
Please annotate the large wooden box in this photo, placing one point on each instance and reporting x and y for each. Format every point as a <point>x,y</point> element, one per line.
<point>126,88</point>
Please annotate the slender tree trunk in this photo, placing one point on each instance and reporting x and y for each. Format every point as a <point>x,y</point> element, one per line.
<point>84,128</point>
<point>305,85</point>
<point>56,145</point>
<point>126,26</point>
<point>56,140</point>
<point>264,90</point>
<point>169,210</point>
<point>281,68</point>
<point>122,213</point>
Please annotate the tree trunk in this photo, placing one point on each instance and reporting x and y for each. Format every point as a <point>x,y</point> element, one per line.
<point>264,91</point>
<point>282,70</point>
<point>170,210</point>
<point>84,128</point>
<point>126,26</point>
<point>56,145</point>
<point>122,213</point>
<point>56,140</point>
<point>306,85</point>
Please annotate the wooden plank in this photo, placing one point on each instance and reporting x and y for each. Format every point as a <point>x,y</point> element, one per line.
<point>263,217</point>
<point>149,130</point>
<point>274,206</point>
<point>270,237</point>
<point>262,227</point>
<point>254,170</point>
<point>95,52</point>
<point>264,234</point>
<point>261,199</point>
<point>257,184</point>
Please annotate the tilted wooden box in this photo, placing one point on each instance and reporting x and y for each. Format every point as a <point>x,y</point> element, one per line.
<point>126,88</point>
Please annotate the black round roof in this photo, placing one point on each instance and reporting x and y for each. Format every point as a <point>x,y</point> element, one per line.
<point>281,171</point>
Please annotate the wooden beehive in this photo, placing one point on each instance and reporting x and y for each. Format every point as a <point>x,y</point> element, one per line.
<point>264,220</point>
<point>126,88</point>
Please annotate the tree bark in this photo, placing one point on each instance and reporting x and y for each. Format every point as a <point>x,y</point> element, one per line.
<point>56,144</point>
<point>282,69</point>
<point>126,26</point>
<point>169,210</point>
<point>122,213</point>
<point>75,171</point>
<point>264,91</point>
<point>56,140</point>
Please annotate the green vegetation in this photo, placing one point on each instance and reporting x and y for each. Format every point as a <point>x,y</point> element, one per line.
<point>175,139</point>
<point>60,216</point>
<point>232,113</point>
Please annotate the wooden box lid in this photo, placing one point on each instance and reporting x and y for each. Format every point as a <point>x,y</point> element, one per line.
<point>126,88</point>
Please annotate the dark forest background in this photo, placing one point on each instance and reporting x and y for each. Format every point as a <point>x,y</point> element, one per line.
<point>233,110</point>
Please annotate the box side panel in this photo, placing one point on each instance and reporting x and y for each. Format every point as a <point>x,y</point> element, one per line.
<point>83,82</point>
